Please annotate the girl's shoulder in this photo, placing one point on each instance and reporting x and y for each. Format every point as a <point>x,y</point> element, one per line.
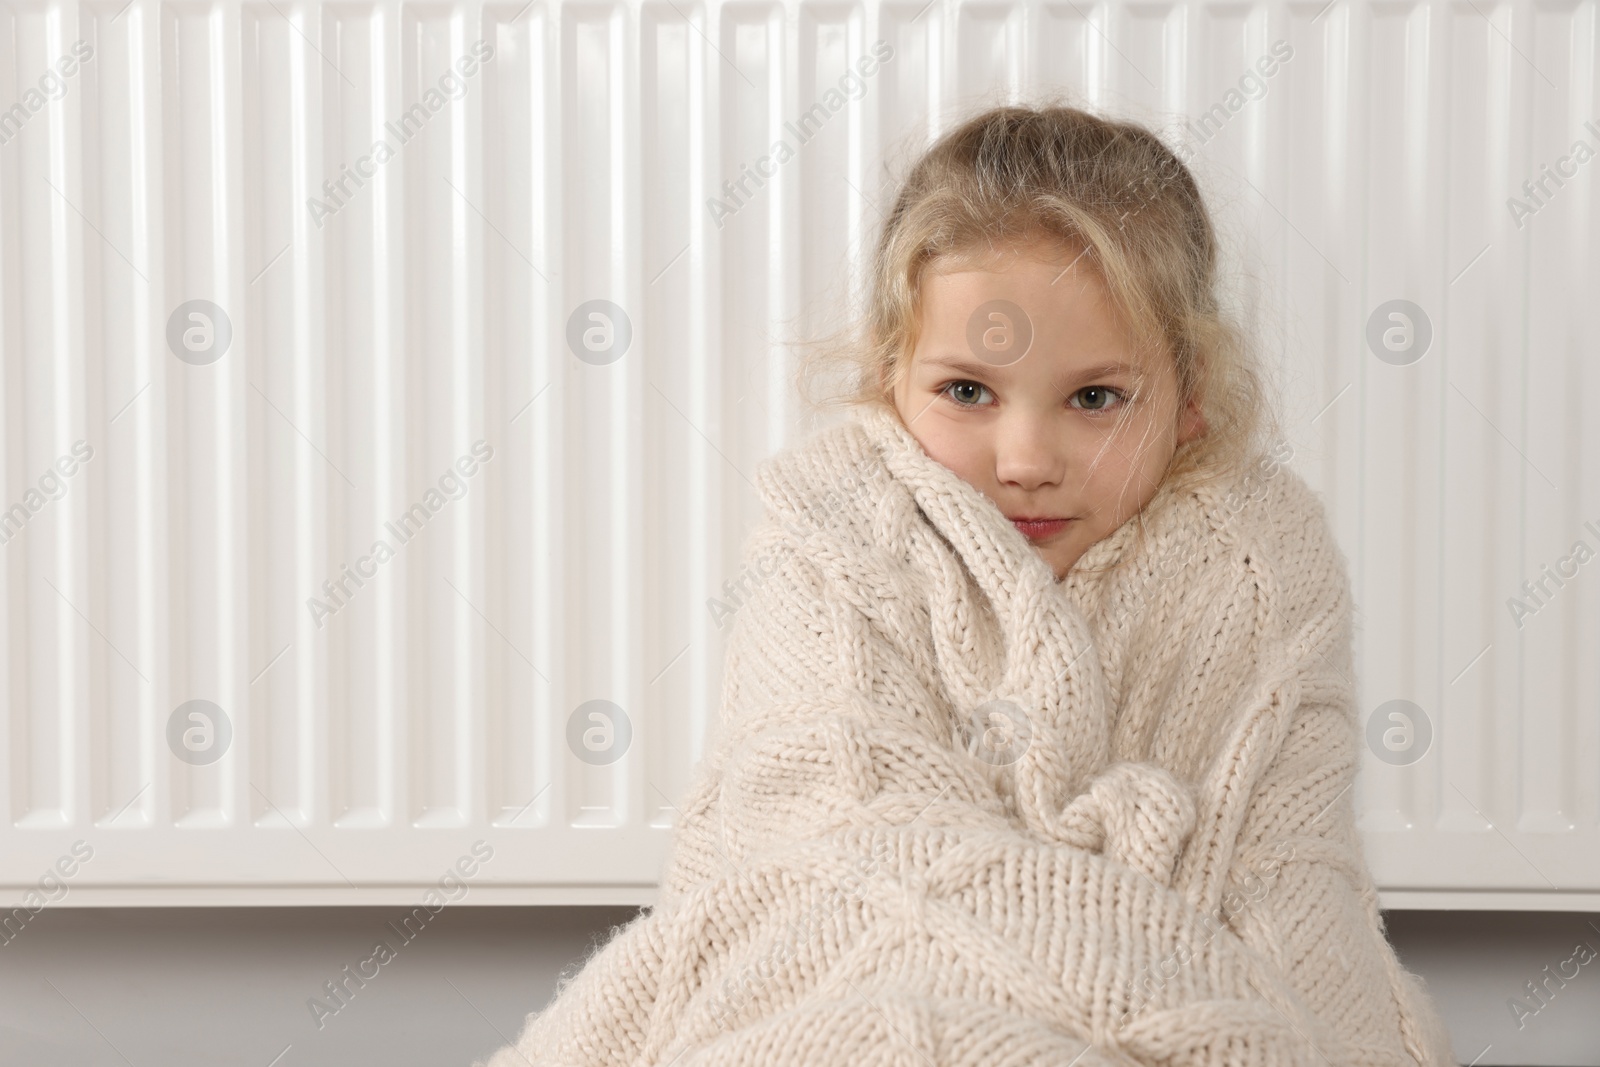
<point>829,480</point>
<point>1280,533</point>
<point>1259,525</point>
<point>1265,494</point>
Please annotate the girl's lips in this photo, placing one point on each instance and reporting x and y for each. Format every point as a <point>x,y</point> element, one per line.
<point>1040,530</point>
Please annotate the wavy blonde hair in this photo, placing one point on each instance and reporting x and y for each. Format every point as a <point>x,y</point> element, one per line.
<point>1112,190</point>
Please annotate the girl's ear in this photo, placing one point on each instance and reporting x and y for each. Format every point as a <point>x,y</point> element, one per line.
<point>886,384</point>
<point>1191,422</point>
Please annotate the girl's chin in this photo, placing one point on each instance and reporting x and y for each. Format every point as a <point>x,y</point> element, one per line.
<point>1060,563</point>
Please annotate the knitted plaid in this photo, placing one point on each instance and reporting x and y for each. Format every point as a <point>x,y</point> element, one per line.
<point>955,811</point>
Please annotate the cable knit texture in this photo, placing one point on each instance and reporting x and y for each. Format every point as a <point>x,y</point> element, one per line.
<point>955,811</point>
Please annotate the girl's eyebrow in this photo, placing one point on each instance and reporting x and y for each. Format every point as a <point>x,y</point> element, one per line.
<point>979,370</point>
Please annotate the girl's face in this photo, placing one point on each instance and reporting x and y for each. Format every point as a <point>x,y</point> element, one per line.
<point>1024,383</point>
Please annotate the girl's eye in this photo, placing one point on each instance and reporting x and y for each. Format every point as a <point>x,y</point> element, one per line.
<point>1097,398</point>
<point>960,392</point>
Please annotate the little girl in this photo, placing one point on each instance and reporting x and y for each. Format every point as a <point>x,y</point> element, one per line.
<point>1037,739</point>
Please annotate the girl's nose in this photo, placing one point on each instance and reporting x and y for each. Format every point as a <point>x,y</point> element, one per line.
<point>1029,452</point>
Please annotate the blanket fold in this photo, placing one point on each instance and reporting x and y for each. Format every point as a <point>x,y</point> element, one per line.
<point>954,811</point>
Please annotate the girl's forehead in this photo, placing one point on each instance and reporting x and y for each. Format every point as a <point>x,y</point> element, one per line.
<point>1045,290</point>
<point>1006,255</point>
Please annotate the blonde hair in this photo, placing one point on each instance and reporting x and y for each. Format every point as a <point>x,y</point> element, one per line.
<point>1111,189</point>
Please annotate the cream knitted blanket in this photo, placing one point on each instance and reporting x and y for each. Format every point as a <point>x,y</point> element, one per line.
<point>958,812</point>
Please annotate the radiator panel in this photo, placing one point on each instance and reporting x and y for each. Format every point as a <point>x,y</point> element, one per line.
<point>533,657</point>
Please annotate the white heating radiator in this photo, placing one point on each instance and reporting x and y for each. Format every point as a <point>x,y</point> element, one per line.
<point>244,344</point>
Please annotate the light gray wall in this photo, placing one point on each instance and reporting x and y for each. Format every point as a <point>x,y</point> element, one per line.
<point>1475,962</point>
<point>219,987</point>
<point>153,987</point>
